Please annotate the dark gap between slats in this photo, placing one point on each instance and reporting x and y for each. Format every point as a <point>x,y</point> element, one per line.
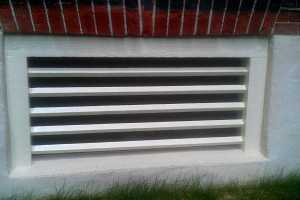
<point>135,136</point>
<point>116,62</point>
<point>131,100</point>
<point>134,81</point>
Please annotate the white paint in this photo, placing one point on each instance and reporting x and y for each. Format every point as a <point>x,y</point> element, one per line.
<point>135,145</point>
<point>134,90</point>
<point>135,72</point>
<point>127,109</point>
<point>280,137</point>
<point>127,127</point>
<point>91,47</point>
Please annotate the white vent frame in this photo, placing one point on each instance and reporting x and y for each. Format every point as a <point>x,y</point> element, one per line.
<point>19,48</point>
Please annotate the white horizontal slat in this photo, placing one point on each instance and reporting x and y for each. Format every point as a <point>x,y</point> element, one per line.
<point>131,109</point>
<point>127,127</point>
<point>135,90</point>
<point>135,145</point>
<point>134,72</point>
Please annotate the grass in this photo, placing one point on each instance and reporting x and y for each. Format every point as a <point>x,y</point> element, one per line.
<point>271,188</point>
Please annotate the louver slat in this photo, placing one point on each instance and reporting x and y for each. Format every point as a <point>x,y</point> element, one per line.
<point>135,145</point>
<point>112,104</point>
<point>135,72</point>
<point>134,109</point>
<point>128,127</point>
<point>138,90</point>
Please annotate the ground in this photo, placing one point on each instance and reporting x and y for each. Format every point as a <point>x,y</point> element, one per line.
<point>268,188</point>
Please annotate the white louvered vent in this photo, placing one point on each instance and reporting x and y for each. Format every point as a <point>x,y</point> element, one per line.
<point>108,104</point>
<point>130,103</point>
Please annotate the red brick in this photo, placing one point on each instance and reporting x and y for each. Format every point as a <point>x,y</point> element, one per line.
<point>202,23</point>
<point>39,18</point>
<point>71,18</point>
<point>7,18</point>
<point>175,22</point>
<point>133,24</point>
<point>284,16</point>
<point>87,21</point>
<point>23,17</point>
<point>101,15</point>
<point>160,23</point>
<point>287,28</point>
<point>189,22</point>
<point>55,17</point>
<point>294,16</point>
<point>117,20</point>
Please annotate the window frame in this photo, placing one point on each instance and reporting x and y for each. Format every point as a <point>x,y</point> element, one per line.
<point>19,48</point>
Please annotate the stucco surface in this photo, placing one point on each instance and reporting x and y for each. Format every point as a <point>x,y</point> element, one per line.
<point>283,127</point>
<point>281,131</point>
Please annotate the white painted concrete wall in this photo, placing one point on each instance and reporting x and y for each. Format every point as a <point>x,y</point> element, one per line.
<point>282,137</point>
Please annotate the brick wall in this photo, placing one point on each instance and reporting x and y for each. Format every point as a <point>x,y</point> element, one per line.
<point>288,21</point>
<point>158,18</point>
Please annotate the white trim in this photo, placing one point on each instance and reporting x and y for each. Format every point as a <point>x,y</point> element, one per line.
<point>16,54</point>
<point>18,108</point>
<point>135,90</point>
<point>136,145</point>
<point>134,109</point>
<point>138,47</point>
<point>255,103</point>
<point>142,126</point>
<point>132,72</point>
